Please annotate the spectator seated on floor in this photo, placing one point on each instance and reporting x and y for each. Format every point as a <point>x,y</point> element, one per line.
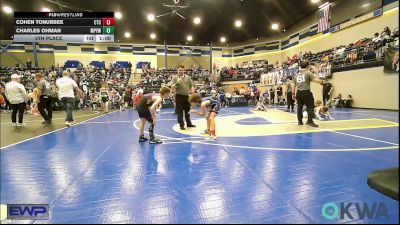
<point>336,102</point>
<point>347,102</point>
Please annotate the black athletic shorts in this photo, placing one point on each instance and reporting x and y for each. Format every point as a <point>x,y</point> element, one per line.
<point>143,109</point>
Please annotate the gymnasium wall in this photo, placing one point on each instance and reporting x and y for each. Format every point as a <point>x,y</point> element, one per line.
<point>10,59</point>
<point>370,88</point>
<point>174,61</point>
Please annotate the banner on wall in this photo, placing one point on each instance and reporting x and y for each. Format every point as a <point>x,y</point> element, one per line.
<point>140,65</point>
<point>71,64</point>
<point>391,60</point>
<point>239,101</point>
<point>98,64</point>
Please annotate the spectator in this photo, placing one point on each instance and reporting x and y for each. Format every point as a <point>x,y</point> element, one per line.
<point>279,93</point>
<point>228,98</point>
<point>236,91</point>
<point>289,94</point>
<point>16,95</point>
<point>104,95</point>
<point>2,103</point>
<point>272,95</point>
<point>335,101</point>
<point>242,91</point>
<point>7,105</point>
<point>347,102</point>
<point>29,63</point>
<point>115,100</point>
<point>327,89</point>
<point>66,87</point>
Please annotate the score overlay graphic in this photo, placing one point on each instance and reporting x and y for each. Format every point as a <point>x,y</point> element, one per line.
<point>80,27</point>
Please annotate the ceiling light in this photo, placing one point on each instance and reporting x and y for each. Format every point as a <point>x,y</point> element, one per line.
<point>366,5</point>
<point>314,1</point>
<point>118,15</point>
<point>7,9</point>
<point>275,26</point>
<point>189,38</point>
<point>238,23</point>
<point>127,34</point>
<point>197,20</point>
<point>222,39</point>
<point>153,36</point>
<point>45,9</point>
<point>151,17</point>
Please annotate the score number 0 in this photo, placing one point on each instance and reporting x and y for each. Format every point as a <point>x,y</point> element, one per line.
<point>108,21</point>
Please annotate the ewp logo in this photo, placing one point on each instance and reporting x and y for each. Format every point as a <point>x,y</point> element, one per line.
<point>28,212</point>
<point>331,211</point>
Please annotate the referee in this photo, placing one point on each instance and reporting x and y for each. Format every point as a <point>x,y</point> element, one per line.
<point>183,86</point>
<point>304,96</point>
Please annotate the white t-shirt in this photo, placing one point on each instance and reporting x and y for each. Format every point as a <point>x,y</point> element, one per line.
<point>66,87</point>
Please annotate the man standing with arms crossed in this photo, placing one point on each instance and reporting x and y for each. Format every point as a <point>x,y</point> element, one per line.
<point>183,86</point>
<point>45,100</point>
<point>304,96</point>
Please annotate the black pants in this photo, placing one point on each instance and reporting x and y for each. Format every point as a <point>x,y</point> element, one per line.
<point>305,98</point>
<point>182,104</point>
<point>20,108</point>
<point>45,102</point>
<point>272,99</point>
<point>325,98</point>
<point>8,105</point>
<point>57,104</point>
<point>290,100</point>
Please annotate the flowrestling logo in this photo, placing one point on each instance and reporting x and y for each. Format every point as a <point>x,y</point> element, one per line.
<point>351,210</point>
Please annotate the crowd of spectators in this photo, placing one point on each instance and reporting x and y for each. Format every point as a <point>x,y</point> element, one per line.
<point>89,80</point>
<point>162,76</point>
<point>322,63</point>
